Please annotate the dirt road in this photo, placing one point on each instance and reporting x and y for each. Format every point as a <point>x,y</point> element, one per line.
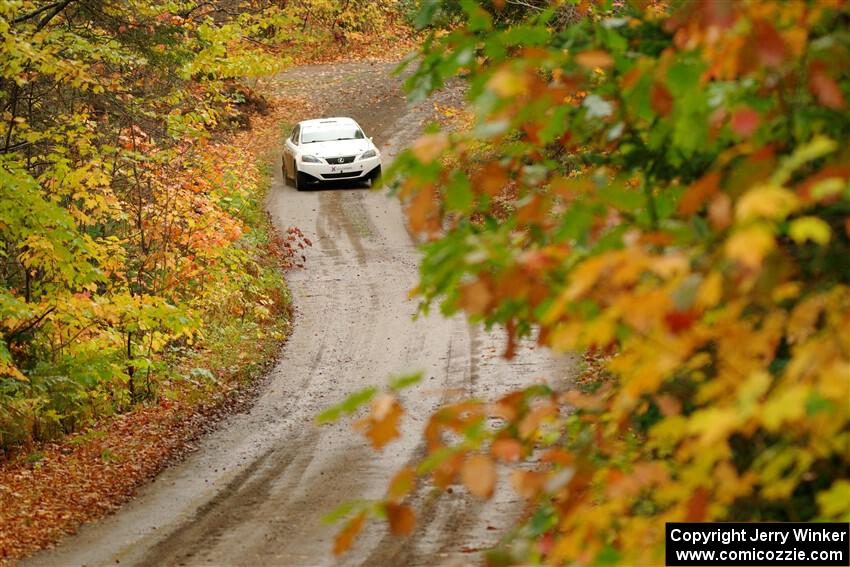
<point>255,490</point>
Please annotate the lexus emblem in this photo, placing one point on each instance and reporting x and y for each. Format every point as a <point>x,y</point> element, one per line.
<point>341,160</point>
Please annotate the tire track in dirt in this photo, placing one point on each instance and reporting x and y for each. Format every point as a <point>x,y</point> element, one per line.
<point>255,490</point>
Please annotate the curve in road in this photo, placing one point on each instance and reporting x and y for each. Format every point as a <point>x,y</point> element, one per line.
<point>255,490</point>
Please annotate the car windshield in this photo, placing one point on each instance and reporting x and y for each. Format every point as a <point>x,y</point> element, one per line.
<point>331,133</point>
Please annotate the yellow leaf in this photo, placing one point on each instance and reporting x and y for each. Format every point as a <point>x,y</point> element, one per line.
<point>478,473</point>
<point>750,246</point>
<point>766,201</point>
<point>784,406</point>
<point>710,290</point>
<point>713,424</point>
<point>809,228</point>
<point>506,83</point>
<point>835,502</point>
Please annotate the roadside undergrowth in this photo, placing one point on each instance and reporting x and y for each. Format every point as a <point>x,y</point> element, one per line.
<point>48,489</point>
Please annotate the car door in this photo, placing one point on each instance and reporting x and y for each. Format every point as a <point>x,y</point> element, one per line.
<point>290,150</point>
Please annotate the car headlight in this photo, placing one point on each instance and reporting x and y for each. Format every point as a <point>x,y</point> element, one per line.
<point>369,153</point>
<point>310,159</point>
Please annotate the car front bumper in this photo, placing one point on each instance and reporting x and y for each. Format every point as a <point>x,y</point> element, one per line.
<point>331,172</point>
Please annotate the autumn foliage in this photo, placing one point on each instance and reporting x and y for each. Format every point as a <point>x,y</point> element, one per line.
<point>132,233</point>
<point>666,185</point>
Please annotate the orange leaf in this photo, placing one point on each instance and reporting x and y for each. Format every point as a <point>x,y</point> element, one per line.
<point>478,473</point>
<point>492,178</point>
<point>508,450</point>
<point>720,211</point>
<point>444,474</point>
<point>402,519</point>
<point>422,212</point>
<point>528,483</point>
<point>594,58</point>
<point>508,406</point>
<point>428,147</point>
<point>345,538</point>
<point>475,297</point>
<point>401,484</point>
<point>695,195</point>
<point>557,456</point>
<point>381,426</point>
<point>535,417</point>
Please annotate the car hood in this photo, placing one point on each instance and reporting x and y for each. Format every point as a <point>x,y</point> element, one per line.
<point>336,148</point>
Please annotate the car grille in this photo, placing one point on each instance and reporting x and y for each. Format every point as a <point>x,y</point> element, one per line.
<point>340,159</point>
<point>341,175</point>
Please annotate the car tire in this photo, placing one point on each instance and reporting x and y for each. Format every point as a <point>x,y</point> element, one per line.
<point>301,181</point>
<point>375,176</point>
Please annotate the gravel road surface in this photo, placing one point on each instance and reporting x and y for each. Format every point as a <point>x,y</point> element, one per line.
<point>255,490</point>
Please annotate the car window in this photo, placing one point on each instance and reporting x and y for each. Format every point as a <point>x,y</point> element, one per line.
<point>334,132</point>
<point>294,136</point>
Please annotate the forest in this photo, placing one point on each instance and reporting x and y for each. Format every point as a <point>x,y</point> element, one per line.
<point>659,187</point>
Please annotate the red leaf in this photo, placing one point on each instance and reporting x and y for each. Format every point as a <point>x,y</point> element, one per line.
<point>718,13</point>
<point>771,49</point>
<point>824,87</point>
<point>660,99</point>
<point>745,122</point>
<point>679,321</point>
<point>697,506</point>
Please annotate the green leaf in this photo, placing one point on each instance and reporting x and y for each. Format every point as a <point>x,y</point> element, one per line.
<point>459,196</point>
<point>405,381</point>
<point>345,509</point>
<point>348,406</point>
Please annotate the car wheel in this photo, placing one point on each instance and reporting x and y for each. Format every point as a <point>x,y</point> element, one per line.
<point>301,181</point>
<point>375,176</point>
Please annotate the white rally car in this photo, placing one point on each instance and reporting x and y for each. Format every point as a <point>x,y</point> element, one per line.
<point>329,149</point>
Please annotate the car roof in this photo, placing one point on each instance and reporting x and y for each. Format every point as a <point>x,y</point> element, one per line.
<point>319,123</point>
